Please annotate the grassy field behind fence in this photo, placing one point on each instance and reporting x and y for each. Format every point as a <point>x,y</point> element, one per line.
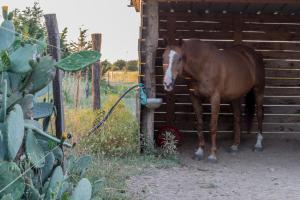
<point>114,82</point>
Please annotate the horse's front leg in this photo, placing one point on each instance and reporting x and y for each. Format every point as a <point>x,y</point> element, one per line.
<point>236,105</point>
<point>198,111</point>
<point>215,109</point>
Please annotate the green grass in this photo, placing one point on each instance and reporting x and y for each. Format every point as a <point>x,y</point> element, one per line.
<point>116,170</point>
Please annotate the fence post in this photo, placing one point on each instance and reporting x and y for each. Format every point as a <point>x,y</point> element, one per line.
<point>54,50</point>
<point>96,72</point>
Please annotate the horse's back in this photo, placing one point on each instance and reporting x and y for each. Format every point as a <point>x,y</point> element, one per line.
<point>256,60</point>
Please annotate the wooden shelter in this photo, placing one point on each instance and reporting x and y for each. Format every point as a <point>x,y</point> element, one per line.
<point>272,27</point>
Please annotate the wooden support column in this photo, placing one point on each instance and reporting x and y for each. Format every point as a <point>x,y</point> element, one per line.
<point>151,43</point>
<point>96,72</point>
<point>54,50</point>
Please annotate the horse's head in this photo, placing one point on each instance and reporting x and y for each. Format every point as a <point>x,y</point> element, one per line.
<point>173,61</point>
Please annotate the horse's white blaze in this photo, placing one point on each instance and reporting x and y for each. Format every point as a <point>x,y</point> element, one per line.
<point>259,141</point>
<point>168,76</point>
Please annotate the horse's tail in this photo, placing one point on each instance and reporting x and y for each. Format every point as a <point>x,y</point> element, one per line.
<point>250,109</point>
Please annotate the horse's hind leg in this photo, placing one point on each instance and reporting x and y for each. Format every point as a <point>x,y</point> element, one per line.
<point>259,95</point>
<point>215,109</point>
<point>236,105</point>
<point>198,110</point>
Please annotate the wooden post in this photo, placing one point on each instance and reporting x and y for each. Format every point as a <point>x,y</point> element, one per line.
<point>54,50</point>
<point>151,43</point>
<point>96,69</point>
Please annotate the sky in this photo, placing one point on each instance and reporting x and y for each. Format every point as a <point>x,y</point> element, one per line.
<point>118,24</point>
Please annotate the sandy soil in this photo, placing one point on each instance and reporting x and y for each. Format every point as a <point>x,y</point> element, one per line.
<point>269,175</point>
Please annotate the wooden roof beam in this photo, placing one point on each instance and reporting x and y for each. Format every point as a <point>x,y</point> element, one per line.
<point>238,1</point>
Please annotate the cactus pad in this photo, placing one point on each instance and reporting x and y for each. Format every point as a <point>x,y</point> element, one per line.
<point>27,106</point>
<point>32,193</point>
<point>47,169</point>
<point>64,189</point>
<point>98,186</point>
<point>83,190</point>
<point>4,100</point>
<point>15,81</point>
<point>7,197</point>
<point>58,154</point>
<point>21,57</point>
<point>7,35</point>
<point>55,184</point>
<point>42,110</point>
<point>81,165</point>
<point>69,163</point>
<point>14,131</point>
<point>78,61</point>
<point>34,151</point>
<point>2,147</point>
<point>9,171</point>
<point>42,74</point>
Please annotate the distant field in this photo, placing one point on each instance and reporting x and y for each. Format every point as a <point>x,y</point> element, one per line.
<point>114,83</point>
<point>121,76</point>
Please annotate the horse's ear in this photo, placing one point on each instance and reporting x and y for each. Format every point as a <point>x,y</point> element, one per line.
<point>180,42</point>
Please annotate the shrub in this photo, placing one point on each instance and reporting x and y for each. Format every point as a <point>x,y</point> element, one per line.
<point>79,122</point>
<point>132,65</point>
<point>119,134</point>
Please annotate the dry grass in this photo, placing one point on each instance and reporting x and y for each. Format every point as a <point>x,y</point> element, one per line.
<point>121,76</point>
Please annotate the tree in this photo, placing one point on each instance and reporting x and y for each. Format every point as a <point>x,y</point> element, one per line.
<point>29,22</point>
<point>105,67</point>
<point>121,64</point>
<point>81,44</point>
<point>64,43</point>
<point>132,65</point>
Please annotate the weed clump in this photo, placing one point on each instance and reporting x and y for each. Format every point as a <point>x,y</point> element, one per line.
<point>118,136</point>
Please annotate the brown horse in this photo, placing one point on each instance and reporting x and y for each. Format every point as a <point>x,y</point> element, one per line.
<point>226,75</point>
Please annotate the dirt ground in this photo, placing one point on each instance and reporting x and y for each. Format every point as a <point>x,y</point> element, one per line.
<point>269,175</point>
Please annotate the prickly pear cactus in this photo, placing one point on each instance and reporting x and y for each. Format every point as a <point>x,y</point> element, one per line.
<point>78,61</point>
<point>20,59</point>
<point>38,156</point>
<point>83,190</point>
<point>48,167</point>
<point>43,73</point>
<point>32,193</point>
<point>55,184</point>
<point>9,171</point>
<point>2,147</point>
<point>7,197</point>
<point>34,151</point>
<point>81,165</point>
<point>7,29</point>
<point>14,131</point>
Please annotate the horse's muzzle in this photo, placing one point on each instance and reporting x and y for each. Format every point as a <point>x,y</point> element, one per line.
<point>169,87</point>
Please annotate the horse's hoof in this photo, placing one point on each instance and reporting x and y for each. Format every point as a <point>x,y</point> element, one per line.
<point>233,149</point>
<point>212,159</point>
<point>258,149</point>
<point>199,154</point>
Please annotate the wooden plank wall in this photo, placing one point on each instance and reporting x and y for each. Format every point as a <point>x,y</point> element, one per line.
<point>275,36</point>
